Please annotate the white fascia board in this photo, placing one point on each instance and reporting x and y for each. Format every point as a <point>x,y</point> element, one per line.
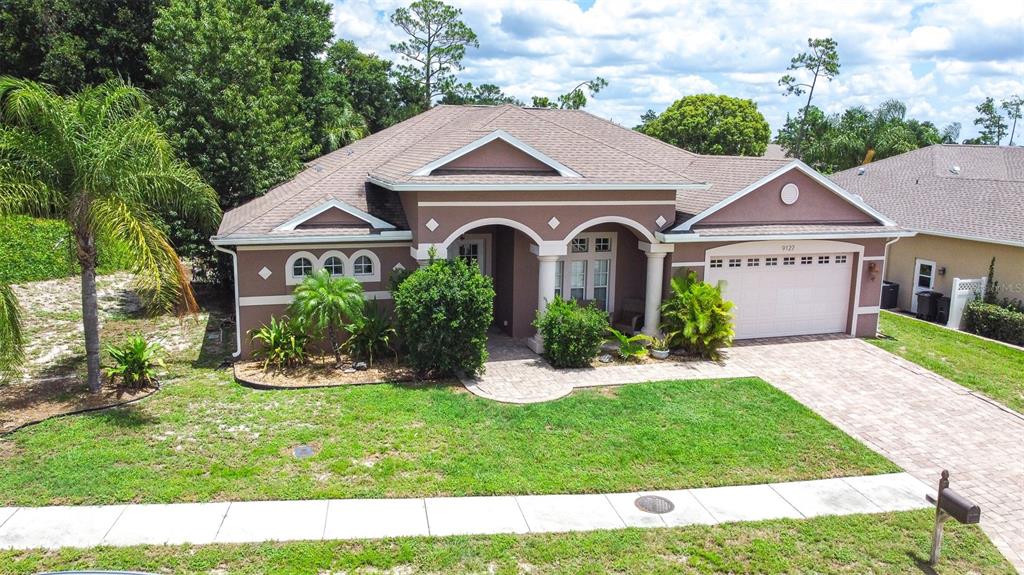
<point>696,237</point>
<point>808,171</point>
<point>385,236</point>
<point>970,238</point>
<point>440,187</point>
<point>527,149</point>
<point>375,222</point>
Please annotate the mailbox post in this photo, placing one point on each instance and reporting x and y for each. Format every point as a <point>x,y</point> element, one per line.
<point>949,503</point>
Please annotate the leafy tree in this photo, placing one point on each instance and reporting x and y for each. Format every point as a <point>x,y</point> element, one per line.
<point>12,341</point>
<point>74,43</point>
<point>373,88</point>
<point>712,124</point>
<point>436,45</point>
<point>574,99</point>
<point>821,62</point>
<point>1013,112</point>
<point>229,100</point>
<point>326,304</point>
<point>99,161</point>
<point>646,118</point>
<point>484,94</point>
<point>993,128</point>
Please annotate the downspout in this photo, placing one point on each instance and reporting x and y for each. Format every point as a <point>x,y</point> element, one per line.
<point>885,264</point>
<point>238,315</point>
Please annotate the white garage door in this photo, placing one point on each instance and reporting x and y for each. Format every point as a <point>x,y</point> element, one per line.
<point>778,294</point>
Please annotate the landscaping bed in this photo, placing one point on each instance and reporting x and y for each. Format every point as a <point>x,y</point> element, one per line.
<point>989,367</point>
<point>321,372</point>
<point>883,543</point>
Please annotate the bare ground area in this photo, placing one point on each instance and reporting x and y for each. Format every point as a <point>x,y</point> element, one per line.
<point>53,381</point>
<point>321,372</point>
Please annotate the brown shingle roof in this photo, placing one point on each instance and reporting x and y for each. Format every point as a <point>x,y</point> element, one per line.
<point>600,151</point>
<point>922,191</point>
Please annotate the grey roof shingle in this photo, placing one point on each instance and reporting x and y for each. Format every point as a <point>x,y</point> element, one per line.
<point>922,192</point>
<point>600,151</point>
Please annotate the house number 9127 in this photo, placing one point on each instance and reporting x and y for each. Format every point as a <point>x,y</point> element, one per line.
<point>788,247</point>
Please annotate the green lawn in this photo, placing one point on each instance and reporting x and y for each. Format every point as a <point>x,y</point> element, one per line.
<point>204,438</point>
<point>884,543</point>
<point>991,368</point>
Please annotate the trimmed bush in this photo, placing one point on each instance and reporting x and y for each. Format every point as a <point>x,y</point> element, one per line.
<point>696,318</point>
<point>34,249</point>
<point>442,312</point>
<point>572,334</point>
<point>994,321</point>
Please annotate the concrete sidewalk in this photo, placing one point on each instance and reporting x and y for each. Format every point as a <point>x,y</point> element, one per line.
<point>255,521</point>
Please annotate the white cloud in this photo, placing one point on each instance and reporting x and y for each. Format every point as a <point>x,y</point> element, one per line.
<point>939,58</point>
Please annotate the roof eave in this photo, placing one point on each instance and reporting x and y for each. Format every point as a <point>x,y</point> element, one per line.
<point>270,239</point>
<point>690,237</point>
<point>524,187</point>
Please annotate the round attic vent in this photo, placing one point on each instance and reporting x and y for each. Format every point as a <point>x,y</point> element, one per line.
<point>789,194</point>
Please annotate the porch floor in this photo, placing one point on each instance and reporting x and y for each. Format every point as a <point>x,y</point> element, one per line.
<point>515,374</point>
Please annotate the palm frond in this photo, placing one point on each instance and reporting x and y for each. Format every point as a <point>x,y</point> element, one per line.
<point>12,342</point>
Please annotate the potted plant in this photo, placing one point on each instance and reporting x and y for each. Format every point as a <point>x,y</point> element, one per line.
<point>659,347</point>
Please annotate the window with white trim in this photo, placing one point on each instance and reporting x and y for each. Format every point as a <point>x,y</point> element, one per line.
<point>334,266</point>
<point>578,280</point>
<point>602,275</point>
<point>602,244</point>
<point>788,260</point>
<point>840,259</point>
<point>362,266</point>
<point>559,270</point>
<point>753,262</point>
<point>804,260</point>
<point>771,261</point>
<point>302,267</point>
<point>587,272</point>
<point>580,245</point>
<point>823,259</point>
<point>716,263</point>
<point>735,262</point>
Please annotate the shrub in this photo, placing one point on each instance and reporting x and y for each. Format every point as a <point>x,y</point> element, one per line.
<point>370,335</point>
<point>282,343</point>
<point>696,318</point>
<point>993,321</point>
<point>631,347</point>
<point>442,313</point>
<point>135,362</point>
<point>325,303</point>
<point>572,334</point>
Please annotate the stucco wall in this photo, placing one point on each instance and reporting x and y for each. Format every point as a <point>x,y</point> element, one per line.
<point>816,204</point>
<point>497,155</point>
<point>964,259</point>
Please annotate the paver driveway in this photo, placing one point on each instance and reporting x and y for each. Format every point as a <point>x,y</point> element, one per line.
<point>919,420</point>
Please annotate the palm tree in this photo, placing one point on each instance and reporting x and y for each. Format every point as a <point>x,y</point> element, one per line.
<point>343,128</point>
<point>326,303</point>
<point>11,339</point>
<point>97,160</point>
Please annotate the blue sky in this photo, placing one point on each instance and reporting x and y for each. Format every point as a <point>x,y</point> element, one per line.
<point>941,58</point>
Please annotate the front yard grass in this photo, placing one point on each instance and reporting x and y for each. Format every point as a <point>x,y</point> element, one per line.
<point>204,438</point>
<point>991,368</point>
<point>883,543</point>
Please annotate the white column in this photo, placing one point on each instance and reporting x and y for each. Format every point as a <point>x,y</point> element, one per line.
<point>545,293</point>
<point>652,303</point>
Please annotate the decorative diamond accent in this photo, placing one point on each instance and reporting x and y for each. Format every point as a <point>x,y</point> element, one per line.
<point>553,222</point>
<point>265,272</point>
<point>432,224</point>
<point>398,266</point>
<point>660,221</point>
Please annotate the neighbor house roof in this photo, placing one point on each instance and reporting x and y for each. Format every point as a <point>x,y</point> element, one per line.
<point>972,192</point>
<point>584,151</point>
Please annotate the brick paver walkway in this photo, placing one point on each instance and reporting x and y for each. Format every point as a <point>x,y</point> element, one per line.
<point>919,420</point>
<point>517,375</point>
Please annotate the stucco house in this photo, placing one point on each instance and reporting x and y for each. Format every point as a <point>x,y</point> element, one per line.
<point>966,204</point>
<point>560,202</point>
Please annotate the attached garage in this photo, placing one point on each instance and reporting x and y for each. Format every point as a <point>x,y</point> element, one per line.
<point>780,289</point>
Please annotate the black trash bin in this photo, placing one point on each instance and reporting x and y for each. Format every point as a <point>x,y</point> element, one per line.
<point>890,295</point>
<point>928,305</point>
<point>942,309</point>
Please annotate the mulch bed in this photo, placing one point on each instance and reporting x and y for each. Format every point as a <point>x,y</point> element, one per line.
<point>27,403</point>
<point>321,372</point>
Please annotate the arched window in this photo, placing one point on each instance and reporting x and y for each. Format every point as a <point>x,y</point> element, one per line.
<point>334,266</point>
<point>302,267</point>
<point>363,266</point>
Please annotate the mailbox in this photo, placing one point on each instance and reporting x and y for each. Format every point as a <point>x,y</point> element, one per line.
<point>949,504</point>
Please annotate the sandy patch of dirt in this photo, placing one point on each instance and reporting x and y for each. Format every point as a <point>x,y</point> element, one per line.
<point>320,372</point>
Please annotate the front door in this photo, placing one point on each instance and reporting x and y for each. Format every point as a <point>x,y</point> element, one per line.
<point>924,280</point>
<point>471,250</point>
